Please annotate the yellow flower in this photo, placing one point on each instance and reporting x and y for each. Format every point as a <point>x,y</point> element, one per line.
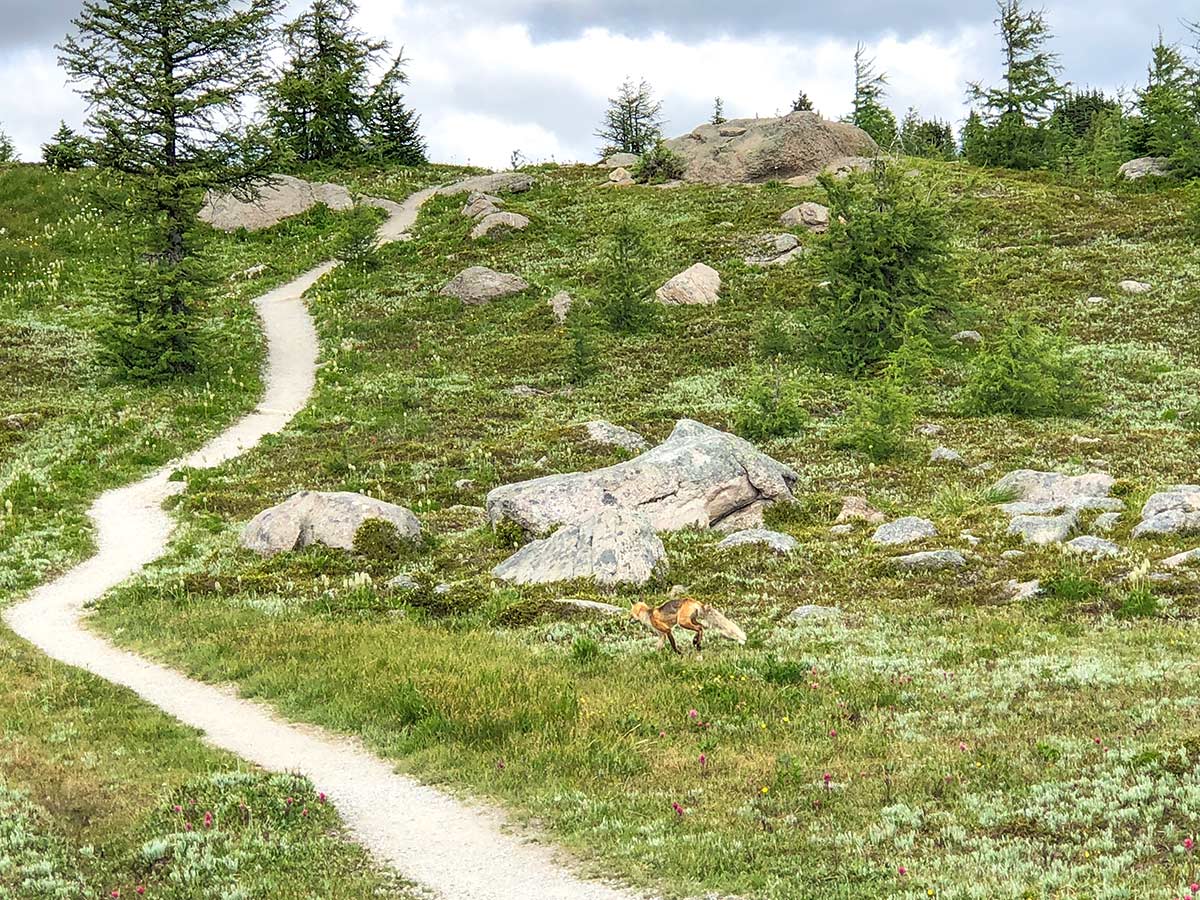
<point>764,790</point>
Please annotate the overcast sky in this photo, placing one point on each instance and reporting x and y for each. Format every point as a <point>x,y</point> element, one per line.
<point>490,77</point>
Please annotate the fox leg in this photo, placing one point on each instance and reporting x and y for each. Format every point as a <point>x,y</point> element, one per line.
<point>695,626</point>
<point>671,637</point>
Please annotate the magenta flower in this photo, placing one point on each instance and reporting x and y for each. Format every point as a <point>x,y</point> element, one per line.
<point>304,812</point>
<point>833,732</point>
<point>208,820</point>
<point>178,808</point>
<point>828,778</point>
<point>678,809</point>
<point>140,889</point>
<point>1188,843</point>
<point>693,714</point>
<point>703,760</point>
<point>902,871</point>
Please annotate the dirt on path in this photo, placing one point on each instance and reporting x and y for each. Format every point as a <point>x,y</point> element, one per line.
<point>457,851</point>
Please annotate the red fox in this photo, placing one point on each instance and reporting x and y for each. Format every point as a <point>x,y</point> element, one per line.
<point>689,613</point>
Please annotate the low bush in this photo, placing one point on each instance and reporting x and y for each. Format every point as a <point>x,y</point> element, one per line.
<point>1026,371</point>
<point>771,408</point>
<point>659,164</point>
<point>879,421</point>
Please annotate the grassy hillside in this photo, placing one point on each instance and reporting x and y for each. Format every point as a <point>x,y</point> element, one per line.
<point>90,776</point>
<point>931,740</point>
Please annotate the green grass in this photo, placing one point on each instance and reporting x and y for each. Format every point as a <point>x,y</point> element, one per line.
<point>89,774</point>
<point>959,732</point>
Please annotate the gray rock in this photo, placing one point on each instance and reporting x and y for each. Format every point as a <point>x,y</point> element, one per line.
<point>621,160</point>
<point>1143,166</point>
<point>1012,554</point>
<point>908,530</point>
<point>1106,522</point>
<point>479,284</point>
<point>857,509</point>
<point>842,530</point>
<point>403,582</point>
<point>499,221</point>
<point>968,337</point>
<point>1096,548</point>
<point>930,561</point>
<point>785,242</point>
<point>1176,511</point>
<point>971,539</point>
<point>332,519</point>
<point>797,144</point>
<point>699,477</point>
<point>804,613</point>
<point>929,429</point>
<point>1135,287</point>
<point>777,541</point>
<point>612,546</point>
<point>1187,558</point>
<point>464,484</point>
<point>1043,530</point>
<point>1046,492</point>
<point>812,216</point>
<point>1014,590</point>
<point>500,183</point>
<point>281,197</point>
<point>480,205</point>
<point>609,435</point>
<point>620,175</point>
<point>945,455</point>
<point>699,285</point>
<point>560,305</point>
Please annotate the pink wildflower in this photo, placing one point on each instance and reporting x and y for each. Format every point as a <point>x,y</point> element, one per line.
<point>678,809</point>
<point>902,871</point>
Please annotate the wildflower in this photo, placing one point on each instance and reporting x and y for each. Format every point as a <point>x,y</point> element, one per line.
<point>187,826</point>
<point>321,796</point>
<point>208,820</point>
<point>833,732</point>
<point>828,778</point>
<point>289,801</point>
<point>140,889</point>
<point>1194,888</point>
<point>1188,843</point>
<point>962,745</point>
<point>499,766</point>
<point>115,893</point>
<point>678,809</point>
<point>902,871</point>
<point>304,812</point>
<point>693,714</point>
<point>703,760</point>
<point>764,790</point>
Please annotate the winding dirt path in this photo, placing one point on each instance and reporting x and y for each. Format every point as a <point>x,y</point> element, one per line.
<point>459,852</point>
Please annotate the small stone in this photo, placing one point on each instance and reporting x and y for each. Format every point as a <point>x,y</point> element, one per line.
<point>971,539</point>
<point>560,304</point>
<point>403,582</point>
<point>841,530</point>
<point>1145,165</point>
<point>803,613</point>
<point>930,561</point>
<point>1106,522</point>
<point>464,484</point>
<point>621,160</point>
<point>620,175</point>
<point>1135,287</point>
<point>968,337</point>
<point>1096,548</point>
<point>1176,511</point>
<point>1187,558</point>
<point>774,540</point>
<point>1097,301</point>
<point>857,509</point>
<point>929,429</point>
<point>479,284</point>
<point>526,391</point>
<point>945,455</point>
<point>1042,530</point>
<point>1012,554</point>
<point>1080,440</point>
<point>907,530</point>
<point>1014,590</point>
<point>812,216</point>
<point>785,242</point>
<point>698,286</point>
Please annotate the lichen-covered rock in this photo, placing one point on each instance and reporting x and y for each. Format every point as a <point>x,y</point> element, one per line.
<point>480,205</point>
<point>805,613</point>
<point>784,248</point>
<point>1096,548</point>
<point>773,540</point>
<point>1106,522</point>
<point>750,150</point>
<point>499,222</point>
<point>560,305</point>
<point>332,519</point>
<point>609,435</point>
<point>500,183</point>
<point>930,561</point>
<point>943,454</point>
<point>699,285</point>
<point>968,337</point>
<point>857,509</point>
<point>908,530</point>
<point>1176,511</point>
<point>479,284</point>
<point>1187,558</point>
<point>1043,530</point>
<point>699,477</point>
<point>1144,166</point>
<point>1014,590</point>
<point>812,216</point>
<point>1135,287</point>
<point>1040,493</point>
<point>281,197</point>
<point>612,546</point>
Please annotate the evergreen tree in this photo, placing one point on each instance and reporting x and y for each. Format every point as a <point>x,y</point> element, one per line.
<point>633,121</point>
<point>974,140</point>
<point>1015,110</point>
<point>1084,124</point>
<point>320,103</point>
<point>718,116</point>
<point>930,138</point>
<point>394,130</point>
<point>165,81</point>
<point>8,151</point>
<point>66,151</point>
<point>870,87</point>
<point>802,103</point>
<point>1167,102</point>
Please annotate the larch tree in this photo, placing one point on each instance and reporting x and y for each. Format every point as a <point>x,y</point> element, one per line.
<point>718,116</point>
<point>8,151</point>
<point>66,151</point>
<point>1167,101</point>
<point>633,121</point>
<point>870,87</point>
<point>165,82</point>
<point>393,128</point>
<point>802,103</point>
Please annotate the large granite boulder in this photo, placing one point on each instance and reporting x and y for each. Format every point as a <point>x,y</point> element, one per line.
<point>1143,166</point>
<point>332,519</point>
<point>1176,511</point>
<point>479,284</point>
<point>699,477</point>
<point>753,150</point>
<point>612,546</point>
<point>1042,493</point>
<point>699,285</point>
<point>499,222</point>
<point>500,183</point>
<point>281,197</point>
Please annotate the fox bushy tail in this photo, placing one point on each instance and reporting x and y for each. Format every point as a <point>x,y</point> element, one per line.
<point>715,619</point>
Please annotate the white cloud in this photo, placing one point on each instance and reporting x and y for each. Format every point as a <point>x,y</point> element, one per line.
<point>34,99</point>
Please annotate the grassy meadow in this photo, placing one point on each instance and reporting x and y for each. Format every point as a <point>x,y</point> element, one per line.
<point>928,739</point>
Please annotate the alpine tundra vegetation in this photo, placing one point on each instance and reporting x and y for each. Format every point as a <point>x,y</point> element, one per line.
<point>912,420</point>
